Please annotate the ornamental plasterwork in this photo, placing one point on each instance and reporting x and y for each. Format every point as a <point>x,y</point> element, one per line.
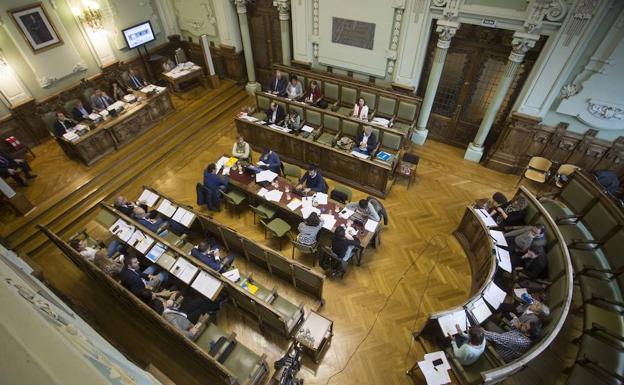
<point>47,81</point>
<point>605,110</point>
<point>544,9</point>
<point>521,45</point>
<point>569,90</point>
<point>396,33</point>
<point>283,8</point>
<point>315,27</point>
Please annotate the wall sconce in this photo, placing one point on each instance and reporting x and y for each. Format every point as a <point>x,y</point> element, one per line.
<point>90,14</point>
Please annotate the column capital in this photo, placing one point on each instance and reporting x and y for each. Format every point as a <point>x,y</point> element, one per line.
<point>522,43</point>
<point>283,7</point>
<point>241,6</point>
<point>446,30</point>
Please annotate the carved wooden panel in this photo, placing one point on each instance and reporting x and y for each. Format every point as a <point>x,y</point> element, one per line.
<point>266,41</point>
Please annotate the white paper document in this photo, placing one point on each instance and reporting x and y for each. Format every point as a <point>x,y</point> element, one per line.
<point>122,230</point>
<point>184,270</point>
<point>359,155</point>
<point>94,116</point>
<point>273,195</point>
<point>346,213</point>
<point>328,221</point>
<point>499,237</point>
<point>439,355</point>
<point>140,241</point>
<point>294,204</point>
<point>184,217</point>
<point>448,322</point>
<point>166,208</point>
<point>371,225</point>
<point>433,376</point>
<point>156,252</point>
<point>233,275</point>
<point>494,295</point>
<point>149,198</point>
<point>321,198</point>
<point>207,285</point>
<point>307,210</point>
<point>519,292</point>
<point>248,118</point>
<point>221,162</point>
<point>71,136</point>
<point>307,128</point>
<point>480,310</point>
<point>262,192</point>
<point>265,176</point>
<point>487,219</point>
<point>504,261</point>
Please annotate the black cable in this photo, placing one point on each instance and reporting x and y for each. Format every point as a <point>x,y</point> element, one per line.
<point>396,285</point>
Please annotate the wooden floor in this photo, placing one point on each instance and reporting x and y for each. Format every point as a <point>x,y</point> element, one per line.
<point>419,267</point>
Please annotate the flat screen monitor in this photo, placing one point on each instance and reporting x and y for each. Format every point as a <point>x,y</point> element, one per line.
<point>139,34</point>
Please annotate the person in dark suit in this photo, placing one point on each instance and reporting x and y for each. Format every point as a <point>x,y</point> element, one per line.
<point>270,160</point>
<point>117,92</point>
<point>135,81</point>
<point>81,111</point>
<point>152,224</point>
<point>275,114</point>
<point>211,256</point>
<point>62,124</point>
<point>313,95</point>
<point>124,205</point>
<point>215,184</point>
<point>136,281</point>
<point>10,167</point>
<point>365,141</point>
<point>100,100</point>
<point>312,180</point>
<point>278,84</point>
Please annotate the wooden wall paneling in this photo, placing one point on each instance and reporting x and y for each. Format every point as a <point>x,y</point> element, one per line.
<point>266,39</point>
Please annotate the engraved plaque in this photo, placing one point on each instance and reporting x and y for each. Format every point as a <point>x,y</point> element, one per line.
<point>352,32</point>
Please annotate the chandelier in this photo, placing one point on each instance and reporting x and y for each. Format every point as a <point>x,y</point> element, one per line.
<point>90,14</point>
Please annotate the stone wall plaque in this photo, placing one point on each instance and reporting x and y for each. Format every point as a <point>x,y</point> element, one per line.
<point>353,33</point>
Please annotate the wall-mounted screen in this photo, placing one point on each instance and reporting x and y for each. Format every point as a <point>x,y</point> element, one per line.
<point>139,34</point>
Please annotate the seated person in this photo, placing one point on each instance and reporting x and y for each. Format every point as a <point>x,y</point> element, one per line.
<point>365,141</point>
<point>343,245</point>
<point>241,149</point>
<point>168,64</point>
<point>294,89</point>
<point>467,348</point>
<point>520,311</point>
<point>312,180</point>
<point>313,94</point>
<point>88,252</point>
<point>152,224</point>
<point>136,281</point>
<point>211,256</point>
<point>117,92</point>
<point>275,114</point>
<point>100,100</point>
<point>360,110</point>
<point>125,206</point>
<point>109,265</point>
<point>62,124</point>
<point>512,344</point>
<point>498,199</point>
<point>81,111</point>
<point>169,309</point>
<point>270,160</point>
<point>213,181</point>
<point>11,167</point>
<point>135,81</point>
<point>520,239</point>
<point>533,263</point>
<point>293,121</point>
<point>511,213</point>
<point>363,210</point>
<point>278,84</point>
<point>308,230</point>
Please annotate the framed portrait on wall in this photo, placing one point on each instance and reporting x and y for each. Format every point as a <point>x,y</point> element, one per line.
<point>36,27</point>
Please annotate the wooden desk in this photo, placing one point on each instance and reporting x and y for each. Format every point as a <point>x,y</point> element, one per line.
<point>115,132</point>
<point>364,174</point>
<point>195,75</point>
<point>246,183</point>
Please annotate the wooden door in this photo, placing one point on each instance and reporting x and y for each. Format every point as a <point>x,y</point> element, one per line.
<point>473,68</point>
<point>266,42</point>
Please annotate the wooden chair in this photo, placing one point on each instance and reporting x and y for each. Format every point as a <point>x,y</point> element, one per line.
<point>263,212</point>
<point>564,170</point>
<point>305,249</point>
<point>537,170</point>
<point>407,167</point>
<point>278,227</point>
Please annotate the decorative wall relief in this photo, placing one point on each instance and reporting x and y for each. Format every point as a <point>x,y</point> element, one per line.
<point>196,17</point>
<point>123,14</point>
<point>353,33</point>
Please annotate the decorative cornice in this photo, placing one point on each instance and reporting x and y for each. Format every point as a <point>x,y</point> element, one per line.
<point>554,10</point>
<point>445,30</point>
<point>283,8</point>
<point>241,6</point>
<point>521,43</point>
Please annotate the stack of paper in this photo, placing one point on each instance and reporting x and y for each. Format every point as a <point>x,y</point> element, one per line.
<point>149,198</point>
<point>166,208</point>
<point>480,310</point>
<point>248,118</point>
<point>328,221</point>
<point>273,195</point>
<point>494,295</point>
<point>118,105</point>
<point>156,252</point>
<point>359,155</point>
<point>432,375</point>
<point>122,230</point>
<point>320,198</point>
<point>448,322</point>
<point>381,121</point>
<point>498,237</point>
<point>371,225</point>
<point>262,192</point>
<point>149,88</point>
<point>81,127</point>
<point>130,98</point>
<point>207,285</point>
<point>294,204</point>
<point>95,116</point>
<point>71,136</point>
<point>487,219</point>
<point>221,162</point>
<point>502,256</point>
<point>104,114</point>
<point>265,176</point>
<point>307,210</point>
<point>184,270</point>
<point>232,275</point>
<point>346,213</point>
<point>184,217</point>
<point>307,128</point>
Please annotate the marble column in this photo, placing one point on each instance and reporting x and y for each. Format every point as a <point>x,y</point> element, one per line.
<point>252,85</point>
<point>522,42</point>
<point>446,30</point>
<point>283,6</point>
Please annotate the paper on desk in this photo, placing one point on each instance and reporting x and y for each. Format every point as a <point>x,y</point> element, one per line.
<point>487,219</point>
<point>294,204</point>
<point>71,136</point>
<point>184,217</point>
<point>371,225</point>
<point>262,192</point>
<point>480,310</point>
<point>94,116</point>
<point>307,128</point>
<point>249,118</point>
<point>494,295</point>
<point>433,376</point>
<point>233,275</point>
<point>502,256</point>
<point>273,195</point>
<point>519,292</point>
<point>321,198</point>
<point>265,176</point>
<point>184,270</point>
<point>156,252</point>
<point>439,355</point>
<point>140,241</point>
<point>346,213</point>
<point>149,198</point>
<point>117,105</point>
<point>307,210</point>
<point>122,230</point>
<point>261,163</point>
<point>447,322</point>
<point>207,285</point>
<point>221,162</point>
<point>166,208</point>
<point>328,221</point>
<point>499,237</point>
<point>359,155</point>
<point>381,121</point>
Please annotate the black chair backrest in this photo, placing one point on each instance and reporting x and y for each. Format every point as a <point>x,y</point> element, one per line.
<point>339,196</point>
<point>411,158</point>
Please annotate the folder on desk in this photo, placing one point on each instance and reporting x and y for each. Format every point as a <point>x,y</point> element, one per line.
<point>504,261</point>
<point>140,241</point>
<point>122,230</point>
<point>166,260</point>
<point>494,295</point>
<point>156,252</point>
<point>479,310</point>
<point>498,237</point>
<point>447,322</point>
<point>149,198</point>
<point>207,285</point>
<point>184,270</point>
<point>184,217</point>
<point>486,217</point>
<point>166,208</point>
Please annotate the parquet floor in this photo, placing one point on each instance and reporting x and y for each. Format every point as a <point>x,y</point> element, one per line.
<point>419,267</point>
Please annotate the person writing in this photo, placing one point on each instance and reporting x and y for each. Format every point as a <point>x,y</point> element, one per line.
<point>363,210</point>
<point>275,114</point>
<point>360,110</point>
<point>308,230</point>
<point>62,124</point>
<point>467,348</point>
<point>511,213</point>
<point>241,149</point>
<point>312,94</point>
<point>294,90</point>
<point>312,180</point>
<point>366,141</point>
<point>10,167</point>
<point>278,84</point>
<point>343,245</point>
<point>270,160</point>
<point>81,111</point>
<point>212,257</point>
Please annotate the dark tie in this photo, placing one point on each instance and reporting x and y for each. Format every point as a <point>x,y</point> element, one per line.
<point>63,124</point>
<point>4,160</point>
<point>136,81</point>
<point>104,103</point>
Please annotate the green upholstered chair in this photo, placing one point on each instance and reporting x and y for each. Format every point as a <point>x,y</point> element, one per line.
<point>405,116</point>
<point>350,128</point>
<point>386,107</point>
<point>292,172</point>
<point>234,199</point>
<point>186,248</point>
<point>106,218</point>
<point>313,118</point>
<point>348,97</point>
<point>262,211</point>
<point>297,109</point>
<point>305,249</point>
<point>604,320</point>
<point>262,105</point>
<point>291,312</point>
<point>584,375</point>
<point>331,129</point>
<point>390,143</point>
<point>69,107</point>
<point>344,190</point>
<point>609,357</point>
<point>371,101</point>
<point>576,196</point>
<point>209,336</point>
<point>278,227</point>
<point>48,120</point>
<point>331,92</point>
<point>243,363</point>
<point>603,291</point>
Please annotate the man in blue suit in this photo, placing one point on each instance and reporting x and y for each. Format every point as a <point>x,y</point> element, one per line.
<point>81,111</point>
<point>270,160</point>
<point>365,142</point>
<point>135,81</point>
<point>151,224</point>
<point>215,184</point>
<point>278,84</point>
<point>211,256</point>
<point>136,281</point>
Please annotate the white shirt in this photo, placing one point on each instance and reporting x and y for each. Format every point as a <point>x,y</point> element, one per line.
<point>363,112</point>
<point>88,253</point>
<point>364,141</point>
